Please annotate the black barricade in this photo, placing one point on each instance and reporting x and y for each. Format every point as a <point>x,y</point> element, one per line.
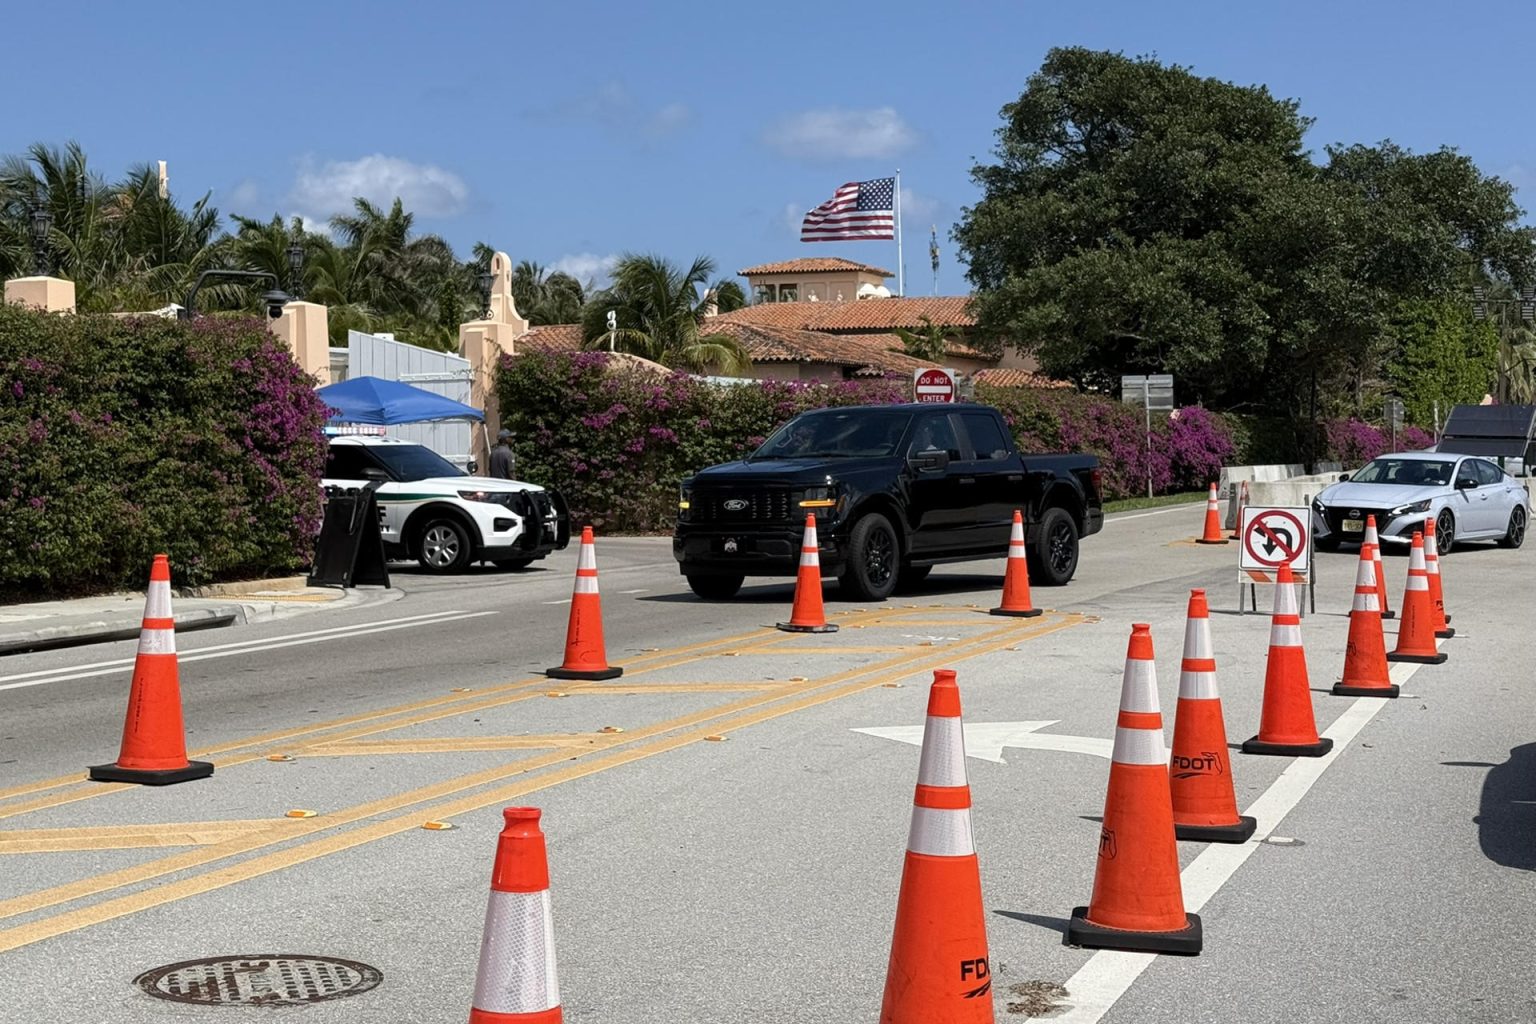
<point>350,549</point>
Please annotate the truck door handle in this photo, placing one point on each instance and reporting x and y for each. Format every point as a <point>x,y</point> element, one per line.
<point>1014,478</point>
<point>967,480</point>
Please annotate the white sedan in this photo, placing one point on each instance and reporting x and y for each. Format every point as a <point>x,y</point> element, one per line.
<point>1469,499</point>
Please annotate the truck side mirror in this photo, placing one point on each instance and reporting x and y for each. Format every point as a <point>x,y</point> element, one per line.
<point>929,461</point>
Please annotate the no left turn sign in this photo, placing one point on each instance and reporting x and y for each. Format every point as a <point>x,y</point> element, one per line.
<point>1273,537</point>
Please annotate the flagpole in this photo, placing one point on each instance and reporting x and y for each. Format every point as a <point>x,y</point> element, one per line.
<point>901,277</point>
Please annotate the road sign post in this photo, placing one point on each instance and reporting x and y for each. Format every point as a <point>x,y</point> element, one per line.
<point>1150,391</point>
<point>935,385</point>
<point>1272,537</point>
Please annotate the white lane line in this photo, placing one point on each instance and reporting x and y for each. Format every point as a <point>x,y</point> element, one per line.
<point>102,668</point>
<point>1115,518</point>
<point>565,601</point>
<point>1109,974</point>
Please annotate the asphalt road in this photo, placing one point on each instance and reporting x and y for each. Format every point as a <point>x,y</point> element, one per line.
<point>730,847</point>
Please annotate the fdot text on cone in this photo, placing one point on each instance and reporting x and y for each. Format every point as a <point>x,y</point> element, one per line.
<point>1441,620</point>
<point>1016,599</point>
<point>1365,655</point>
<point>808,615</point>
<point>1416,634</point>
<point>1200,769</point>
<point>1138,900</point>
<point>154,745</point>
<point>585,655</point>
<point>939,969</point>
<point>516,980</point>
<point>1213,533</point>
<point>1287,726</point>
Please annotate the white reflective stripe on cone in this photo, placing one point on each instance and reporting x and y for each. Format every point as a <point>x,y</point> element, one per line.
<point>588,557</point>
<point>1285,599</point>
<point>1138,687</point>
<point>943,762</point>
<point>1281,635</point>
<point>517,955</point>
<point>1017,536</point>
<point>808,556</point>
<point>1417,582</point>
<point>157,641</point>
<point>1197,639</point>
<point>158,604</point>
<point>940,832</point>
<point>1365,575</point>
<point>1197,686</point>
<point>586,585</point>
<point>1139,746</point>
<point>1365,601</point>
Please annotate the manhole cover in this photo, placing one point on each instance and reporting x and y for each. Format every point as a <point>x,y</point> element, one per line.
<point>259,980</point>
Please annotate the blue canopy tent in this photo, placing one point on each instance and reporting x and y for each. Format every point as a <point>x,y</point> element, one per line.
<point>387,402</point>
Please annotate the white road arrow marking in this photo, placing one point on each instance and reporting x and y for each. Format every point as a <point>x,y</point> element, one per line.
<point>986,740</point>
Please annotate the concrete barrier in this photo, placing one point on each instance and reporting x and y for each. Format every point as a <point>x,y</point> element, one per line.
<point>1232,477</point>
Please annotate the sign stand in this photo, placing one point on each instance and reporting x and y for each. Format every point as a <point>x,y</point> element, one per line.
<point>1272,537</point>
<point>350,549</point>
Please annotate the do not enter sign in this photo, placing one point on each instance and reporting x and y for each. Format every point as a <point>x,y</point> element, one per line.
<point>1273,537</point>
<point>933,385</point>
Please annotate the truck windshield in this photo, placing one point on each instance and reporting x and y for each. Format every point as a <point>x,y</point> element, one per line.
<point>414,462</point>
<point>837,433</point>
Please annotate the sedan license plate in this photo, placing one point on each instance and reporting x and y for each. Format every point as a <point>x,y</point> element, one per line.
<point>1353,525</point>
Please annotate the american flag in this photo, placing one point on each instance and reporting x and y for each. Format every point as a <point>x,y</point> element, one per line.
<point>859,209</point>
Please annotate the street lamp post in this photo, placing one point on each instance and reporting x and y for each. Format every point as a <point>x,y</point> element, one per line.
<point>42,228</point>
<point>275,299</point>
<point>296,270</point>
<point>484,279</point>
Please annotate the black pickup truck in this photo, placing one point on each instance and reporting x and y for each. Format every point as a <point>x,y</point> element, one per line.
<point>896,490</point>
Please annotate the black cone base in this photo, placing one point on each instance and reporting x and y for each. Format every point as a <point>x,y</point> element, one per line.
<point>611,672</point>
<point>1446,633</point>
<point>1202,540</point>
<point>1184,942</point>
<point>790,627</point>
<point>114,773</point>
<point>1340,690</point>
<point>1028,613</point>
<point>1318,749</point>
<point>1389,615</point>
<point>1438,658</point>
<point>1238,832</point>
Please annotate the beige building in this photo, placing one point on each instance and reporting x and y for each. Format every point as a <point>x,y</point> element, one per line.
<point>832,279</point>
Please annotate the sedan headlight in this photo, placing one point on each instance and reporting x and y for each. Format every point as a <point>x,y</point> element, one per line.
<point>1417,506</point>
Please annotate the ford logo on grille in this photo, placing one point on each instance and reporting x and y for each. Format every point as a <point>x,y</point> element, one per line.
<point>735,504</point>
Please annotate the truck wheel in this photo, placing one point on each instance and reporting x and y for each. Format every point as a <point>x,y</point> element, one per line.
<point>715,588</point>
<point>1056,547</point>
<point>442,546</point>
<point>873,559</point>
<point>911,577</point>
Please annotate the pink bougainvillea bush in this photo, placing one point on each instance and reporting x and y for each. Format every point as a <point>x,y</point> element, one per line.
<point>120,438</point>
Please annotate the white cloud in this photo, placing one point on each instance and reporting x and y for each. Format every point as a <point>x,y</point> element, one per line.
<point>323,190</point>
<point>244,197</point>
<point>916,207</point>
<point>587,266</point>
<point>613,107</point>
<point>841,134</point>
<point>794,216</point>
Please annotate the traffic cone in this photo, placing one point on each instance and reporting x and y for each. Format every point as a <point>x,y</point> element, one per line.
<point>1137,902</point>
<point>1286,725</point>
<point>154,747</point>
<point>516,980</point>
<point>1213,534</point>
<point>1373,539</point>
<point>1016,601</point>
<point>938,970</point>
<point>585,657</point>
<point>1441,620</point>
<point>1241,491</point>
<point>1204,802</point>
<point>1365,657</point>
<point>807,615</point>
<point>1416,635</point>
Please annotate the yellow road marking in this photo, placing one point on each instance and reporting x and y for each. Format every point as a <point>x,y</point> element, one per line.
<point>446,745</point>
<point>130,837</point>
<point>737,715</point>
<point>610,689</point>
<point>840,649</point>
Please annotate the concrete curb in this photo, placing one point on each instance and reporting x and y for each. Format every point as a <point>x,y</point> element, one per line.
<point>77,634</point>
<point>241,588</point>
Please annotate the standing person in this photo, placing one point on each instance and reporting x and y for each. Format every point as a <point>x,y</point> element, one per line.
<point>503,462</point>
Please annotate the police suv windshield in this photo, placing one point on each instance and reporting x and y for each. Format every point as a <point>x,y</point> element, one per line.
<point>413,462</point>
<point>837,433</point>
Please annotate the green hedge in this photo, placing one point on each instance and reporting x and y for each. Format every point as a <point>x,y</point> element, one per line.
<point>120,438</point>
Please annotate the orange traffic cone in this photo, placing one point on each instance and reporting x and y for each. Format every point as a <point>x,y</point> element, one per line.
<point>1441,620</point>
<point>807,615</point>
<point>1016,601</point>
<point>154,747</point>
<point>1204,802</point>
<point>516,981</point>
<point>1213,534</point>
<point>1416,635</point>
<point>1365,657</point>
<point>1241,491</point>
<point>585,657</point>
<point>1373,540</point>
<point>1137,902</point>
<point>938,969</point>
<point>1286,725</point>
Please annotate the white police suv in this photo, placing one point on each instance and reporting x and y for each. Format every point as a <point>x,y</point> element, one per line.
<point>434,512</point>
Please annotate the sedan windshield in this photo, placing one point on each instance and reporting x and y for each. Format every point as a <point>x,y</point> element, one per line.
<point>1409,472</point>
<point>414,462</point>
<point>837,433</point>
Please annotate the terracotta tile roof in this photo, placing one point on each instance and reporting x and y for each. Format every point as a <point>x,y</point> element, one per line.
<point>559,337</point>
<point>814,265</point>
<point>859,316</point>
<point>864,355</point>
<point>1000,377</point>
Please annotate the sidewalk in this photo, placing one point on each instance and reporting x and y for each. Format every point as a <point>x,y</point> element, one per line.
<point>44,625</point>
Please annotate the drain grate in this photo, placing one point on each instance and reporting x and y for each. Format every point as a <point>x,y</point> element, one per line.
<point>261,979</point>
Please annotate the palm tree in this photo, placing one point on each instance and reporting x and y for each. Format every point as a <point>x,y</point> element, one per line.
<point>661,315</point>
<point>930,343</point>
<point>547,297</point>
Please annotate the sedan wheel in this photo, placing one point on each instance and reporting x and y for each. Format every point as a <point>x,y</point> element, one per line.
<point>1445,532</point>
<point>1515,535</point>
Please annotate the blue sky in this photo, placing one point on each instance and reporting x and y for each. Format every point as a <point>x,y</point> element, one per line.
<point>567,133</point>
